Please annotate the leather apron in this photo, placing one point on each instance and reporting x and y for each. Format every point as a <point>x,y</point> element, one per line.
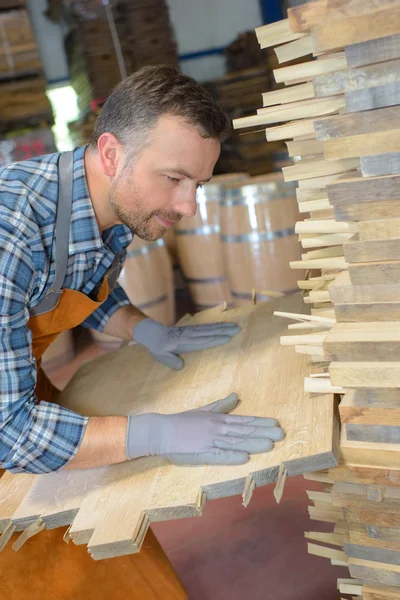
<point>46,568</point>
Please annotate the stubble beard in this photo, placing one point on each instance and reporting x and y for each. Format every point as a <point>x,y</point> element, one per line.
<point>142,224</point>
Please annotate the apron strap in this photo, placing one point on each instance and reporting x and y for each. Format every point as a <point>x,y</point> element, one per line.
<point>63,222</point>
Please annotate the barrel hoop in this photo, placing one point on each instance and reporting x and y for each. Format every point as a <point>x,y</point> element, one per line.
<point>204,230</point>
<point>158,300</point>
<point>258,236</point>
<point>205,279</point>
<point>249,295</point>
<point>144,249</point>
<point>236,197</point>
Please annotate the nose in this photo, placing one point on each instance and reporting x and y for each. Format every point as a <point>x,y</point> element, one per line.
<point>187,206</point>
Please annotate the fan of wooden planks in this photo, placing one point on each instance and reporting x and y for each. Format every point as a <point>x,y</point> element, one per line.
<point>110,509</point>
<point>340,113</point>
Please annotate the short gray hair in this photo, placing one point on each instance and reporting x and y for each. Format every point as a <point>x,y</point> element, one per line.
<point>138,101</point>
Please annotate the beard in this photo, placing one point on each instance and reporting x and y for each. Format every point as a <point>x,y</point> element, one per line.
<point>140,222</point>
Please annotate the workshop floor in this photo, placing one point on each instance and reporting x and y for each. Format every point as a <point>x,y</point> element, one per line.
<point>237,553</point>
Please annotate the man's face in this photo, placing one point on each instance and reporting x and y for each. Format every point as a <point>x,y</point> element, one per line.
<point>155,190</point>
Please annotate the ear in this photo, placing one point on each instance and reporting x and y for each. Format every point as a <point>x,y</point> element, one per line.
<point>111,154</point>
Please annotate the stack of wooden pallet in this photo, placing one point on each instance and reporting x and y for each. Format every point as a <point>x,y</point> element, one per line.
<point>339,114</point>
<point>22,86</point>
<point>140,31</point>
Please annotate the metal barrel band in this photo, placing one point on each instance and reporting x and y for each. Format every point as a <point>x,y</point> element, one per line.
<point>144,249</point>
<point>249,296</point>
<point>158,300</point>
<point>204,230</point>
<point>256,195</point>
<point>205,279</point>
<point>257,236</point>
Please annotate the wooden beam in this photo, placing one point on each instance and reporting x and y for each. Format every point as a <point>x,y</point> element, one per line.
<point>277,33</point>
<point>356,29</point>
<point>305,17</point>
<point>320,168</point>
<point>357,251</point>
<point>294,93</point>
<point>342,291</point>
<point>366,374</point>
<point>363,145</point>
<point>382,229</point>
<point>295,49</point>
<point>349,80</point>
<point>380,96</point>
<point>383,272</point>
<point>380,164</point>
<point>353,190</point>
<point>307,70</point>
<point>341,126</point>
<point>373,51</point>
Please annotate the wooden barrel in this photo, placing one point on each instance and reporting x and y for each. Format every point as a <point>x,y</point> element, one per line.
<point>199,246</point>
<point>147,279</point>
<point>258,238</point>
<point>59,352</point>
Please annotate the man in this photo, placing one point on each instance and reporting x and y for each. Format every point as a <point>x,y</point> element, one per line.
<point>65,222</point>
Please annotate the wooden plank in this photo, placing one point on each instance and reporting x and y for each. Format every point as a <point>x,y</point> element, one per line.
<point>369,454</point>
<point>380,434</point>
<point>379,96</point>
<point>358,534</point>
<point>290,130</point>
<point>380,164</point>
<point>365,374</point>
<point>372,592</point>
<point>305,148</point>
<point>355,495</point>
<point>353,190</point>
<point>13,491</point>
<point>307,70</point>
<point>356,29</point>
<point>371,250</point>
<point>324,226</point>
<point>373,311</point>
<point>349,80</point>
<point>304,18</point>
<point>291,111</point>
<point>276,33</point>
<point>365,474</point>
<point>320,168</point>
<point>375,272</point>
<point>363,145</point>
<point>294,93</point>
<point>373,51</point>
<point>328,239</point>
<point>381,555</point>
<point>326,552</point>
<point>342,291</point>
<point>295,49</point>
<point>334,539</point>
<point>383,229</point>
<point>371,575</point>
<point>380,209</point>
<point>382,533</point>
<point>362,342</point>
<point>348,125</point>
<point>114,512</point>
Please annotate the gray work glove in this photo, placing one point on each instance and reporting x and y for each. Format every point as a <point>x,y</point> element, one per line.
<point>166,343</point>
<point>202,436</point>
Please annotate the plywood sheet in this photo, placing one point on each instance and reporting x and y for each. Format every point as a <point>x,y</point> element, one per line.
<point>111,508</point>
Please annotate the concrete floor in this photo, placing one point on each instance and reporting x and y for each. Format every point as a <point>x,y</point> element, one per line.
<point>237,553</point>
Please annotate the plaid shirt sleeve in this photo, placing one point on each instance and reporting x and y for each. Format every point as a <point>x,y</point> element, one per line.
<point>34,438</point>
<point>117,299</point>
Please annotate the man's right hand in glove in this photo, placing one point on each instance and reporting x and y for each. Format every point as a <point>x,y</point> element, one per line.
<point>202,436</point>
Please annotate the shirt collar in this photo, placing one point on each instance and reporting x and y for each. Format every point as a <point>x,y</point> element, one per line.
<point>84,233</point>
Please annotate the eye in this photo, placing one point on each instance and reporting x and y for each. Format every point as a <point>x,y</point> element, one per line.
<point>173,179</point>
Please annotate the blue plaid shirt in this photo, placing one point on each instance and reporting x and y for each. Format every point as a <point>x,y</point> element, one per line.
<point>42,437</point>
